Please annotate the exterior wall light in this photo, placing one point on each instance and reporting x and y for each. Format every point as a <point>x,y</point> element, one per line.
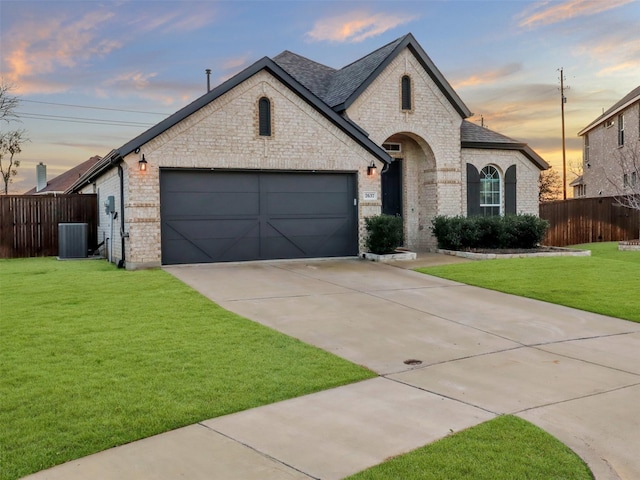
<point>371,170</point>
<point>142,164</point>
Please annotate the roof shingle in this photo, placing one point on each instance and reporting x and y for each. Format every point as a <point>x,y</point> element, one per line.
<point>63,182</point>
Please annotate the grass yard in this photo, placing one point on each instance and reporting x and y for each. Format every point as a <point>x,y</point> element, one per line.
<point>505,448</point>
<point>608,282</point>
<point>92,357</point>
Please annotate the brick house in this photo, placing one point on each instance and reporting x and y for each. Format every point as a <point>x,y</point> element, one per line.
<point>613,135</point>
<point>287,158</point>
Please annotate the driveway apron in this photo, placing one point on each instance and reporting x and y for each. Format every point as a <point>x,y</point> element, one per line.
<point>449,356</point>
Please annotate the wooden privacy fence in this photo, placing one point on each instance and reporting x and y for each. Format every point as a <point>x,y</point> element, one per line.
<point>586,220</point>
<point>29,224</point>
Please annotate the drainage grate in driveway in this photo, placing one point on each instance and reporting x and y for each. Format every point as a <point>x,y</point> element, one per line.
<point>413,361</point>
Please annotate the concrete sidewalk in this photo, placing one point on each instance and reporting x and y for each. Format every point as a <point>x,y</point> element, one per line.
<point>481,354</point>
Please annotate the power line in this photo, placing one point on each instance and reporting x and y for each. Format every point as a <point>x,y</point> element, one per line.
<point>93,108</point>
<point>93,121</point>
<point>32,115</point>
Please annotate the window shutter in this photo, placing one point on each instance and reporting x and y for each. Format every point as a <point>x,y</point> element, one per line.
<point>406,93</point>
<point>473,191</point>
<point>510,204</point>
<point>264,117</point>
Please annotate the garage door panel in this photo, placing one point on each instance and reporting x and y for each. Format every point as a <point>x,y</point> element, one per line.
<point>202,181</point>
<point>183,251</point>
<point>209,203</point>
<point>235,216</point>
<point>308,203</point>
<point>314,182</point>
<point>316,227</point>
<point>213,229</point>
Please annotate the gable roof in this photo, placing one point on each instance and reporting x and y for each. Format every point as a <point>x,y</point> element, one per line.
<point>578,181</point>
<point>475,136</point>
<point>340,88</point>
<point>630,98</point>
<point>266,64</point>
<point>312,75</point>
<point>65,180</point>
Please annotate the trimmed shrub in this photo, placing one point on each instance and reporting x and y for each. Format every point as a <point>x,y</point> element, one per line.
<point>384,234</point>
<point>524,231</point>
<point>511,231</point>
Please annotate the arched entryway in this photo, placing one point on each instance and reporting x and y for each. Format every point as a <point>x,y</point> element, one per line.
<point>409,188</point>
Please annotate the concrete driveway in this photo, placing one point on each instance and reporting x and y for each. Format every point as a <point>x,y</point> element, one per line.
<point>473,354</point>
<point>574,373</point>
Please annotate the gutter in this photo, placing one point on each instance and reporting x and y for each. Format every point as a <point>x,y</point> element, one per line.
<point>123,235</point>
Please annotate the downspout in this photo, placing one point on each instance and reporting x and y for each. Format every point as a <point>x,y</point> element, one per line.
<point>121,263</point>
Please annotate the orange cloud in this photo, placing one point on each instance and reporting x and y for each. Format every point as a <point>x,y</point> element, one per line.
<point>617,52</point>
<point>141,84</point>
<point>488,77</point>
<point>549,13</point>
<point>356,26</point>
<point>236,63</point>
<point>37,48</point>
<point>630,65</point>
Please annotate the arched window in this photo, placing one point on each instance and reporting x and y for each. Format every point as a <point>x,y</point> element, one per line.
<point>489,191</point>
<point>406,92</point>
<point>264,117</point>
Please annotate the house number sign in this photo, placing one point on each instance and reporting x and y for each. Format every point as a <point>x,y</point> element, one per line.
<point>370,196</point>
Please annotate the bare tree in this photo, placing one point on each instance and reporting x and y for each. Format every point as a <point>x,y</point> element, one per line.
<point>549,185</point>
<point>628,193</point>
<point>10,141</point>
<point>576,168</point>
<point>8,103</point>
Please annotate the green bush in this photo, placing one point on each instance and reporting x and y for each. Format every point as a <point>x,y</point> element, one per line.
<point>525,231</point>
<point>384,234</point>
<point>511,231</point>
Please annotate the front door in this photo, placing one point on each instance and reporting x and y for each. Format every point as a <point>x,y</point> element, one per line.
<point>392,189</point>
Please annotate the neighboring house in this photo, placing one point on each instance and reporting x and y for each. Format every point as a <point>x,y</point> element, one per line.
<point>579,188</point>
<point>63,182</point>
<point>278,162</point>
<point>613,135</point>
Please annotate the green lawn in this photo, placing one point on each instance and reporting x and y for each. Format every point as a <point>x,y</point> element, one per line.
<point>505,448</point>
<point>92,357</point>
<point>608,282</point>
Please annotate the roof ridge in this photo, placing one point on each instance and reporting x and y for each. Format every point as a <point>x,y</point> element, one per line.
<point>304,58</point>
<point>397,40</point>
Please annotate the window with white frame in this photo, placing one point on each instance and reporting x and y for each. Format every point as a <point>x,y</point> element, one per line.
<point>621,130</point>
<point>490,194</point>
<point>586,149</point>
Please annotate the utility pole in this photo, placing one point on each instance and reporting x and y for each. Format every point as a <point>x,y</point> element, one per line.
<point>563,100</point>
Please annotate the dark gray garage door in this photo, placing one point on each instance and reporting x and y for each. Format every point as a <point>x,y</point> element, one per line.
<point>216,216</point>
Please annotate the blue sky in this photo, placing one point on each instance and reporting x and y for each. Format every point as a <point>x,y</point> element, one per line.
<point>135,62</point>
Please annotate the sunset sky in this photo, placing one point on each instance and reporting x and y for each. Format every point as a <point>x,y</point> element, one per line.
<point>94,74</point>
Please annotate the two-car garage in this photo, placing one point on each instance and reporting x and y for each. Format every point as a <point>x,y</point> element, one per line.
<point>221,216</point>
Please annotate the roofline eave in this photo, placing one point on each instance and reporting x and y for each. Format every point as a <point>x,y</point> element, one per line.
<point>355,132</point>
<point>603,118</point>
<point>525,149</point>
